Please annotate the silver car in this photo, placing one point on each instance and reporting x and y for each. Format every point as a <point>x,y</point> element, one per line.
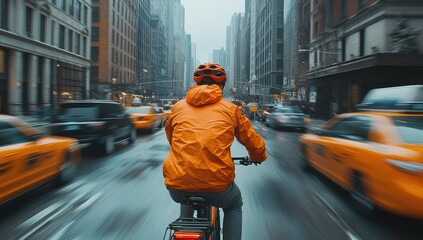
<point>287,117</point>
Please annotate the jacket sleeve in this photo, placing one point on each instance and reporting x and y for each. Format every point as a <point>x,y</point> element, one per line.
<point>247,136</point>
<point>169,129</point>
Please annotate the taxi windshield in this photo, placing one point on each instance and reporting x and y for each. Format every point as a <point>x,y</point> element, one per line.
<point>137,110</point>
<point>410,128</point>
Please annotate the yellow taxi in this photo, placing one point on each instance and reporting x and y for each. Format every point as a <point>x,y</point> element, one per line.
<point>29,158</point>
<point>375,153</point>
<point>147,117</point>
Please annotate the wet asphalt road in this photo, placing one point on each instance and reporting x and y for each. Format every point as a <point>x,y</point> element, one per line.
<point>122,196</point>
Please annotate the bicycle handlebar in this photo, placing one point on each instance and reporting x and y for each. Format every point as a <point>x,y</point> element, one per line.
<point>244,161</point>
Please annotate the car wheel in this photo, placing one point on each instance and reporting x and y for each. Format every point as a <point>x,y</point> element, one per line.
<point>109,145</point>
<point>67,171</point>
<point>361,202</point>
<point>132,136</point>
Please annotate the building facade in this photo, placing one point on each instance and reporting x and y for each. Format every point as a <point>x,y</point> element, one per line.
<point>44,53</point>
<point>113,49</point>
<point>266,25</point>
<point>360,45</point>
<point>296,44</point>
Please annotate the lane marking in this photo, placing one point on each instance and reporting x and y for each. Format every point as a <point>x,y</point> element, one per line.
<point>59,234</point>
<point>37,217</point>
<point>90,201</point>
<point>40,225</point>
<point>72,186</point>
<point>338,219</point>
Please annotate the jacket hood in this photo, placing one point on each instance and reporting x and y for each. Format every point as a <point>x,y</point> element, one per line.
<point>202,95</point>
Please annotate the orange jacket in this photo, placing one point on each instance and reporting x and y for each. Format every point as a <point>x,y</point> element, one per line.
<point>201,130</point>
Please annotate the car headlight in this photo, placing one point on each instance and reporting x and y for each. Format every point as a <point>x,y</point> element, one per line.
<point>410,167</point>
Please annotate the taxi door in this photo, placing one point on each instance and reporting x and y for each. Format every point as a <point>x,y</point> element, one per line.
<point>16,165</point>
<point>349,142</point>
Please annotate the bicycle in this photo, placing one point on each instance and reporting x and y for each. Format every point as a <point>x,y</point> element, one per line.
<point>205,225</point>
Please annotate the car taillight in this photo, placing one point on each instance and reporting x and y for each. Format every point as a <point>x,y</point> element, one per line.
<point>307,120</point>
<point>187,235</point>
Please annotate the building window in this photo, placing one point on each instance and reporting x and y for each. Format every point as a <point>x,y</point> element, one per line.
<point>95,14</point>
<point>362,42</point>
<point>279,48</point>
<point>279,33</point>
<point>94,34</point>
<point>84,46</point>
<point>63,5</point>
<point>28,23</point>
<point>43,21</point>
<point>77,43</point>
<point>85,15</point>
<point>70,40</point>
<point>344,50</point>
<point>361,3</point>
<point>62,37</point>
<point>70,8</point>
<point>53,31</point>
<point>3,13</point>
<point>344,9</point>
<point>78,10</point>
<point>94,73</point>
<point>94,53</point>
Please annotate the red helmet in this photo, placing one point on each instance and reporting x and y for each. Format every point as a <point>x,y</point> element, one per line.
<point>212,70</point>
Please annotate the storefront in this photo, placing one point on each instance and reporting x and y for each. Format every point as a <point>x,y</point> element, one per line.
<point>341,87</point>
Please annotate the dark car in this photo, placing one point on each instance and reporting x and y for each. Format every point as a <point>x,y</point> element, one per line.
<point>288,117</point>
<point>265,110</point>
<point>94,122</point>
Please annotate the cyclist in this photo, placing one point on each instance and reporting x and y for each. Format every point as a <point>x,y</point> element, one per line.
<point>201,130</point>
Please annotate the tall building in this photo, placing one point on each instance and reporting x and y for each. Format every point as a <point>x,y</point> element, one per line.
<point>356,46</point>
<point>189,63</point>
<point>44,53</point>
<point>243,88</point>
<point>233,48</point>
<point>266,59</point>
<point>179,49</point>
<point>113,49</point>
<point>165,10</point>
<point>159,58</point>
<point>144,49</point>
<point>296,40</point>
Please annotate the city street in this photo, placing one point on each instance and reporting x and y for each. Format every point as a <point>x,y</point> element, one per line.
<point>122,196</point>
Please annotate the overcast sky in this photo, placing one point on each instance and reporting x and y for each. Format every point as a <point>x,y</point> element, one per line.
<point>206,21</point>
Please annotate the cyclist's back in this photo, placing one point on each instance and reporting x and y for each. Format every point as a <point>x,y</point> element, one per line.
<point>201,130</point>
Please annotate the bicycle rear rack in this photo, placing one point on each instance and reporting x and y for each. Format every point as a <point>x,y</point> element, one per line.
<point>191,224</point>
